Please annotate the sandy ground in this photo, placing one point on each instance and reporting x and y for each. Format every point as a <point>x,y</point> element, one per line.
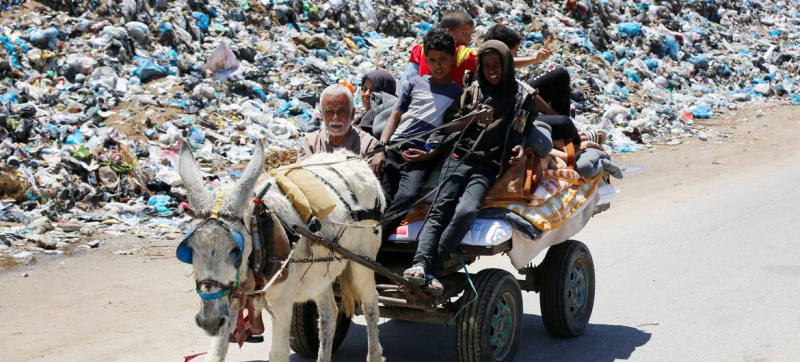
<point>696,260</point>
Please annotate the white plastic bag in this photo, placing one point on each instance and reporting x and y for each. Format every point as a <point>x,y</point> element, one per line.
<point>222,58</point>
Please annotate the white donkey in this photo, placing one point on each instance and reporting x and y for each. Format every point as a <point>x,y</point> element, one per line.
<point>219,246</point>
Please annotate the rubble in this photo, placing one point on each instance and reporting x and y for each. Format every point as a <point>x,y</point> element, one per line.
<point>95,95</point>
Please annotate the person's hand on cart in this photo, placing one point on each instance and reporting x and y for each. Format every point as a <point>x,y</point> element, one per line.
<point>518,155</point>
<point>416,155</point>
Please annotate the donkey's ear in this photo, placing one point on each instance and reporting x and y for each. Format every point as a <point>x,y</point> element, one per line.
<point>241,193</point>
<point>199,197</point>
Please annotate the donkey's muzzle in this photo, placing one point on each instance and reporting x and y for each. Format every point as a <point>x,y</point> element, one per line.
<point>212,320</point>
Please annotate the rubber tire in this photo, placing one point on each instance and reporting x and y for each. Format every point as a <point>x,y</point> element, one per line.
<point>554,296</point>
<point>305,329</point>
<point>473,333</point>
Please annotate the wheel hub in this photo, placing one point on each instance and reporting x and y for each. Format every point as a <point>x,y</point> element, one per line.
<point>576,289</point>
<point>502,323</point>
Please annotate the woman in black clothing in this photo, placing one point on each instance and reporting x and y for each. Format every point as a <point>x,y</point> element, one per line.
<point>375,82</point>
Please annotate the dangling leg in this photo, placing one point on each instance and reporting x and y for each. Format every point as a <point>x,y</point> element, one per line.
<point>364,280</point>
<point>281,324</point>
<point>328,312</point>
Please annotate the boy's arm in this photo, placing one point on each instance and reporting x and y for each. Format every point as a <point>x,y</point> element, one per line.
<point>540,56</point>
<point>379,159</point>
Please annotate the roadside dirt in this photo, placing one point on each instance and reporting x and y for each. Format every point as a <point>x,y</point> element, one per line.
<point>96,306</point>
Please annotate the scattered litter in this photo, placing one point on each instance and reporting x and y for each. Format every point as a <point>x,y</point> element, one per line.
<point>96,97</point>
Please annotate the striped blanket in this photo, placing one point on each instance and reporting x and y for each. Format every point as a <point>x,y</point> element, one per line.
<point>561,193</point>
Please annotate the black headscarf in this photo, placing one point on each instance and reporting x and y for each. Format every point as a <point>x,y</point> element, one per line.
<point>508,85</point>
<point>382,80</point>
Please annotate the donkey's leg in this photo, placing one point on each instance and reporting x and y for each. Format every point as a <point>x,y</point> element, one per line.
<point>364,281</point>
<point>328,312</point>
<point>281,326</point>
<point>219,344</point>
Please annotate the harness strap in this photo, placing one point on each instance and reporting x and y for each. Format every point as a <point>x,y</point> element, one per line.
<point>217,205</point>
<point>356,215</point>
<point>360,214</point>
<point>346,204</point>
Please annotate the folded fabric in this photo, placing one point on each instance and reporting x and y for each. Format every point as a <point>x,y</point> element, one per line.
<point>591,161</point>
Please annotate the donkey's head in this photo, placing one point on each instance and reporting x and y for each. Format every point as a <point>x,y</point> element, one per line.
<point>216,244</point>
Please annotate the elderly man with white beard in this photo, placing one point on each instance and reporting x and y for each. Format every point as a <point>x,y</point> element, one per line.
<point>338,111</point>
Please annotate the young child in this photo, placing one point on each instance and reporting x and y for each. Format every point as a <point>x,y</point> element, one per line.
<point>460,25</point>
<point>477,161</point>
<point>425,103</point>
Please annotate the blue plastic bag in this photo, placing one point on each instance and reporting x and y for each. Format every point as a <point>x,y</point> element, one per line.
<point>259,92</point>
<point>147,70</point>
<point>652,64</point>
<point>700,61</point>
<point>536,36</point>
<point>75,138</point>
<point>608,57</point>
<point>160,202</point>
<point>632,75</point>
<point>201,20</point>
<point>424,28</point>
<point>196,136</point>
<point>672,46</point>
<point>12,57</point>
<point>42,36</point>
<point>629,28</point>
<point>703,110</point>
<point>360,42</point>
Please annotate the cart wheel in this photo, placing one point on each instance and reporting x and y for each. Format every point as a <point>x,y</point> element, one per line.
<point>489,328</point>
<point>567,295</point>
<point>305,329</point>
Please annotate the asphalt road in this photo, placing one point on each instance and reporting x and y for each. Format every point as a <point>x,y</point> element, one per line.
<point>697,260</point>
<point>700,272</point>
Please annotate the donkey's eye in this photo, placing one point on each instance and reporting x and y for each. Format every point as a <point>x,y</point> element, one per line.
<point>234,251</point>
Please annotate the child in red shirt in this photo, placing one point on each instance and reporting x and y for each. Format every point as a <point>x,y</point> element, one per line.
<point>460,25</point>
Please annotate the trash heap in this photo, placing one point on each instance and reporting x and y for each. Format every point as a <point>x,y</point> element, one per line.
<point>95,95</point>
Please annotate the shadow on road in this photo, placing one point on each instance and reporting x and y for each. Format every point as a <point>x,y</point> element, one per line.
<point>407,341</point>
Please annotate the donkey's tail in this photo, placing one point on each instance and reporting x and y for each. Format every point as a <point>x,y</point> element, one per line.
<point>349,292</point>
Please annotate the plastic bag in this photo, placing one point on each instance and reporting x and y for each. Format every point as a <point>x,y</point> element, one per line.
<point>629,28</point>
<point>702,110</point>
<point>147,70</point>
<point>222,58</point>
<point>75,138</point>
<point>160,202</point>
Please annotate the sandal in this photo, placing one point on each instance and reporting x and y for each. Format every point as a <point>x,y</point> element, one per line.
<point>434,286</point>
<point>415,274</point>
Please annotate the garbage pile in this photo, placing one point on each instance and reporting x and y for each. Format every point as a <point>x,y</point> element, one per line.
<point>95,95</point>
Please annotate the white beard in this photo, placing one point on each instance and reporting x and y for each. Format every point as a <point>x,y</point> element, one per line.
<point>338,133</point>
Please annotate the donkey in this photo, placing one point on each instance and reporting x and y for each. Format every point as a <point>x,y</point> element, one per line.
<point>220,245</point>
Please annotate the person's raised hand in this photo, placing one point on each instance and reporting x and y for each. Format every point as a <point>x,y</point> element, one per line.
<point>544,52</point>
